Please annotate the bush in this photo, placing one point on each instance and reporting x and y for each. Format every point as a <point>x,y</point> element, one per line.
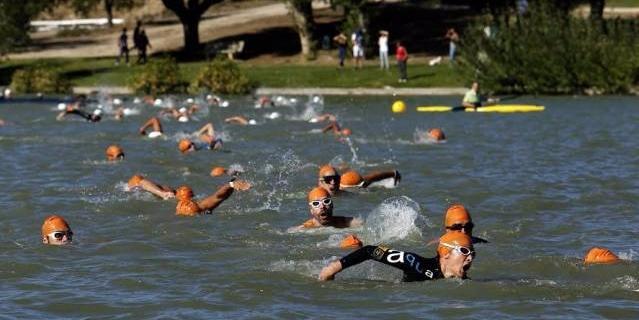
<point>221,76</point>
<point>550,52</point>
<point>39,79</point>
<point>158,76</point>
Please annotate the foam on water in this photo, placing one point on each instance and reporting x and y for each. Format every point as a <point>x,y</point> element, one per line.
<point>394,219</point>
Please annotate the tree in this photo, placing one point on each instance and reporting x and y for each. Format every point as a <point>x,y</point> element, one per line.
<point>596,10</point>
<point>190,13</point>
<point>15,17</point>
<point>86,6</point>
<point>302,13</point>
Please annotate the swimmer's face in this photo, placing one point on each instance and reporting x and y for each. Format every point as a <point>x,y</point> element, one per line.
<point>457,262</point>
<point>330,183</point>
<point>58,238</point>
<point>322,210</point>
<point>465,227</point>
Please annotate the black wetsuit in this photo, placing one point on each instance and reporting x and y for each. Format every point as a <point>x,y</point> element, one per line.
<point>415,267</point>
<point>86,115</point>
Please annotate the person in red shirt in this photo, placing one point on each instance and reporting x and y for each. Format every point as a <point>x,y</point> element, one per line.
<point>402,57</point>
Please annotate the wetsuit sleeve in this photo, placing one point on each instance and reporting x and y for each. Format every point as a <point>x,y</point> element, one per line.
<point>358,256</point>
<point>415,267</point>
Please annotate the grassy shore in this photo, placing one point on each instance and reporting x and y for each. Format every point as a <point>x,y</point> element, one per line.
<point>103,72</point>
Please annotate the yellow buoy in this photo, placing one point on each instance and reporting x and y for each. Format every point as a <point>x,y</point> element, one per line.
<point>398,106</point>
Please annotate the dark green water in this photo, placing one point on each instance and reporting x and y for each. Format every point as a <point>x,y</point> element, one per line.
<point>542,188</point>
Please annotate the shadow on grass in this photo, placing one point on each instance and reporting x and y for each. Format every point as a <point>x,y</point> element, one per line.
<point>83,73</point>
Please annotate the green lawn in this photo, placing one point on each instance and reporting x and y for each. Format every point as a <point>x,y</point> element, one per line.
<point>622,3</point>
<point>103,72</point>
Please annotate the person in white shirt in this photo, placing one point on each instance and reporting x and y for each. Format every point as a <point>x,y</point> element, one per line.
<point>383,49</point>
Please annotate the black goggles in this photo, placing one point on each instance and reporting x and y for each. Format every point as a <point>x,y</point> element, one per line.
<point>329,179</point>
<point>458,226</point>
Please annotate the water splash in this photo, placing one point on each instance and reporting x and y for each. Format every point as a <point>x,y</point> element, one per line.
<point>353,149</point>
<point>394,219</point>
<point>289,163</point>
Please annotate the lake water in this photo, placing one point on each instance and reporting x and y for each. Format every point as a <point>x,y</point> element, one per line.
<point>541,187</point>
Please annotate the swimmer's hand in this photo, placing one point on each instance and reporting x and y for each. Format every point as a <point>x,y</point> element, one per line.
<point>167,195</point>
<point>240,185</point>
<point>328,273</point>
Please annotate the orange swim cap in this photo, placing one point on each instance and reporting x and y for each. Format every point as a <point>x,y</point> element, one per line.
<point>456,213</point>
<point>218,171</point>
<point>184,193</point>
<point>135,181</point>
<point>436,134</point>
<point>346,132</point>
<point>113,152</point>
<point>454,239</point>
<point>187,208</point>
<point>54,223</point>
<point>350,241</point>
<point>327,170</point>
<point>350,179</point>
<point>600,255</point>
<point>318,193</point>
<point>184,145</point>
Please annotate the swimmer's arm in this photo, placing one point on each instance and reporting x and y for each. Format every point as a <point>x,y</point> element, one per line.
<point>331,127</point>
<point>61,116</point>
<point>329,272</point>
<point>355,222</point>
<point>356,257</point>
<point>377,176</point>
<point>236,120</point>
<point>213,201</point>
<point>208,129</point>
<point>155,189</point>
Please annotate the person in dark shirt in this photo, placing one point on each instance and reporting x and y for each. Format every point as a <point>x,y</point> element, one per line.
<point>454,258</point>
<point>123,44</point>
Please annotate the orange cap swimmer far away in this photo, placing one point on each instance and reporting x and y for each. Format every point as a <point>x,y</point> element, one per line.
<point>218,171</point>
<point>318,193</point>
<point>346,132</point>
<point>453,239</point>
<point>114,152</point>
<point>351,179</point>
<point>184,145</point>
<point>54,223</point>
<point>184,193</point>
<point>436,134</point>
<point>135,181</point>
<point>456,213</point>
<point>600,255</point>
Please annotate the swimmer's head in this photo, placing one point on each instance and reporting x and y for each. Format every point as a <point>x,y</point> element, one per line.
<point>135,181</point>
<point>182,110</point>
<point>218,171</point>
<point>185,145</point>
<point>458,219</point>
<point>187,208</point>
<point>114,152</point>
<point>456,253</point>
<point>351,179</point>
<point>436,134</point>
<point>321,205</point>
<point>346,132</point>
<point>184,193</point>
<point>56,231</point>
<point>599,255</point>
<point>329,179</point>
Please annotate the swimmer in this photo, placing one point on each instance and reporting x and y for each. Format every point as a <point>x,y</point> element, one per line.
<point>457,219</point>
<point>114,153</point>
<point>332,181</point>
<point>207,135</point>
<point>337,130</point>
<point>188,207</point>
<point>154,123</point>
<point>186,146</point>
<point>73,109</point>
<point>324,117</point>
<point>139,182</point>
<point>600,255</point>
<point>56,231</point>
<point>264,101</point>
<point>454,258</point>
<point>239,120</point>
<point>119,113</point>
<point>220,171</point>
<point>183,114</point>
<point>436,134</point>
<point>321,208</point>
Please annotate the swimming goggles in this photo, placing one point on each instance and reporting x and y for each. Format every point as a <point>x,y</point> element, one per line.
<point>329,179</point>
<point>60,234</point>
<point>459,249</point>
<point>317,203</point>
<point>458,226</point>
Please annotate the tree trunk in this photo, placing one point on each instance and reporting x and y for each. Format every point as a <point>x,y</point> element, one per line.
<point>108,7</point>
<point>190,13</point>
<point>596,10</point>
<point>190,28</point>
<point>302,13</point>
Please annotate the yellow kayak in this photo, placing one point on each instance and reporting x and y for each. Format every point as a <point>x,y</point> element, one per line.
<point>505,108</point>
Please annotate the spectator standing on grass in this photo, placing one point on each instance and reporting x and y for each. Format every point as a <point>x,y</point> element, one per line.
<point>136,35</point>
<point>358,48</point>
<point>123,44</point>
<point>341,41</point>
<point>453,38</point>
<point>382,42</point>
<point>142,46</point>
<point>402,58</point>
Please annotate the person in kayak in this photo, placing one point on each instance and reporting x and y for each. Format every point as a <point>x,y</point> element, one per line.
<point>455,255</point>
<point>472,97</point>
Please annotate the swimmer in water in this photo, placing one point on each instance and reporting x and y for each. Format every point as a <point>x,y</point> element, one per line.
<point>73,109</point>
<point>56,231</point>
<point>457,219</point>
<point>455,254</point>
<point>333,182</point>
<point>114,153</point>
<point>139,182</point>
<point>154,123</point>
<point>436,135</point>
<point>337,130</point>
<point>600,255</point>
<point>321,208</point>
<point>324,117</point>
<point>239,120</point>
<point>183,114</point>
<point>207,135</point>
<point>186,206</point>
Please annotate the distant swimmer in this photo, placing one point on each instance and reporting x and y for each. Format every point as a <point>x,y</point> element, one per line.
<point>455,254</point>
<point>70,109</point>
<point>324,117</point>
<point>337,130</point>
<point>600,255</point>
<point>436,134</point>
<point>321,209</point>
<point>332,181</point>
<point>56,231</point>
<point>142,183</point>
<point>472,98</point>
<point>153,123</point>
<point>183,114</point>
<point>186,206</point>
<point>240,120</point>
<point>457,219</point>
<point>114,153</point>
<point>207,135</point>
